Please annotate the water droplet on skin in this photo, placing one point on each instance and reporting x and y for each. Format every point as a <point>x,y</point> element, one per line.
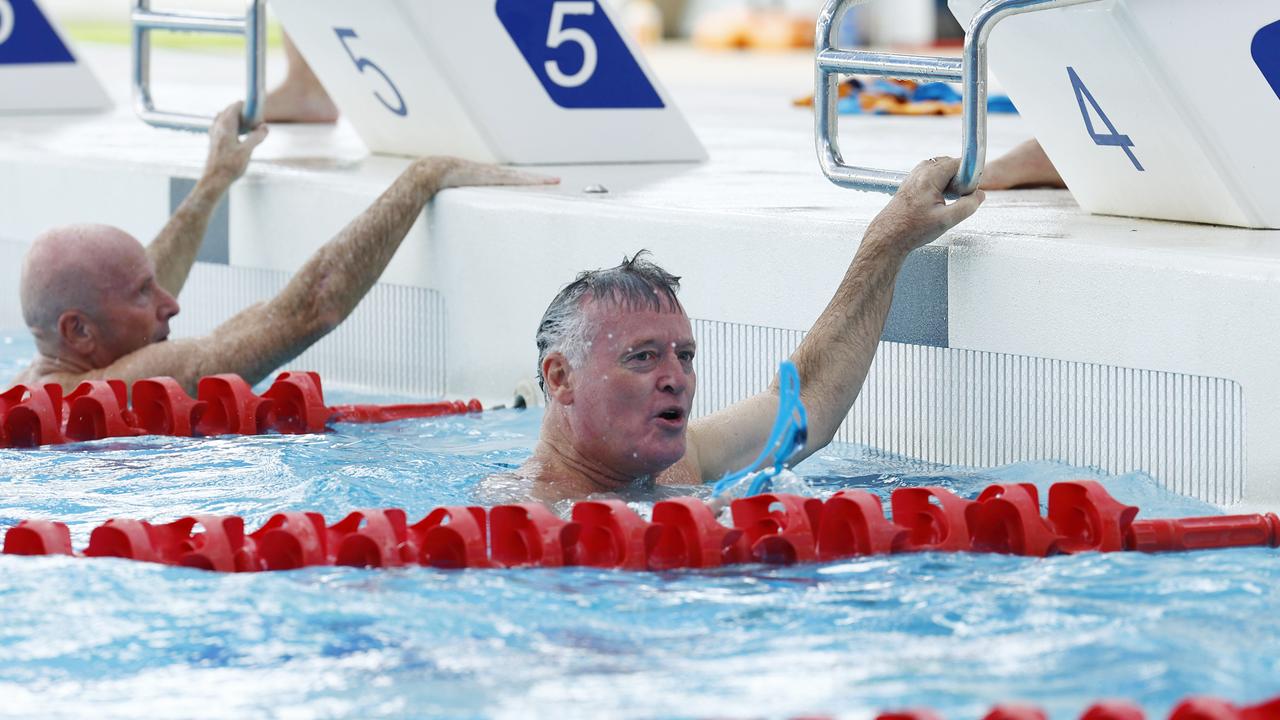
<point>610,336</point>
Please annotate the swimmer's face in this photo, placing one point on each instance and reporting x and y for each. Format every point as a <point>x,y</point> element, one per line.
<point>632,396</point>
<point>134,310</point>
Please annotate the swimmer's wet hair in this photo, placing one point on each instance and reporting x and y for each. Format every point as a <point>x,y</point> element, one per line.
<point>635,284</point>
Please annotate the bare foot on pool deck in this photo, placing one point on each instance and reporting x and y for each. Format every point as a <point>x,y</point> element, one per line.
<point>300,98</point>
<point>1025,166</point>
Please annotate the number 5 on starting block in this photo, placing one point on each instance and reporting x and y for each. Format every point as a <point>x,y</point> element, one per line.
<point>516,81</point>
<point>38,72</point>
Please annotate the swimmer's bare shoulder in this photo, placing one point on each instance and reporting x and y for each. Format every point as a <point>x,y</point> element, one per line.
<point>512,486</point>
<point>173,358</point>
<point>528,483</point>
<point>43,372</point>
<point>685,472</point>
<point>532,481</point>
<point>30,376</point>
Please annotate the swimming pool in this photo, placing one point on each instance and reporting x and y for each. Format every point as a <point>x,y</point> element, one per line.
<point>957,633</point>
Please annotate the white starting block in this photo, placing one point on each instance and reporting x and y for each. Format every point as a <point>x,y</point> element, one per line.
<point>1166,109</point>
<point>512,81</point>
<point>38,70</point>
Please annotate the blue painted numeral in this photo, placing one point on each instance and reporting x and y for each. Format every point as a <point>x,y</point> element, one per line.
<point>1114,138</point>
<point>577,54</point>
<point>364,63</point>
<point>26,37</point>
<point>1265,49</point>
<point>6,21</point>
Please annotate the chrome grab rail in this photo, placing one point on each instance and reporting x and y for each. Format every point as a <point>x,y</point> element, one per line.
<point>970,70</point>
<point>252,25</point>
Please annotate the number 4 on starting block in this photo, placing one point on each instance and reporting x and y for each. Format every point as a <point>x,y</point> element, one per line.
<point>515,81</point>
<point>1139,124</point>
<point>38,72</point>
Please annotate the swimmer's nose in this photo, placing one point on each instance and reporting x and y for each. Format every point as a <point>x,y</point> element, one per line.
<point>168,306</point>
<point>674,379</point>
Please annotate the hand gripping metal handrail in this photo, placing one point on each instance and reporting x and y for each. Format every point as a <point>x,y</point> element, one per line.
<point>970,70</point>
<point>252,25</point>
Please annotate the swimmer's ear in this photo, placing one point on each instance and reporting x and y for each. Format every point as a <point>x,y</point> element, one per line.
<point>556,377</point>
<point>75,332</point>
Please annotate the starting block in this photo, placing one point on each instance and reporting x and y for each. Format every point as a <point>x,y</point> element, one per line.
<point>510,81</point>
<point>1166,109</point>
<point>38,70</point>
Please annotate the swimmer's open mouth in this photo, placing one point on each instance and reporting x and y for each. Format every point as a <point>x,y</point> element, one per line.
<point>672,415</point>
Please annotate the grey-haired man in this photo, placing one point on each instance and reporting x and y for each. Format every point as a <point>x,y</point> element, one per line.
<point>616,362</point>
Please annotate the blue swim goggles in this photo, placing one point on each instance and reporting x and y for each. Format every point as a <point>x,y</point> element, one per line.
<point>790,431</point>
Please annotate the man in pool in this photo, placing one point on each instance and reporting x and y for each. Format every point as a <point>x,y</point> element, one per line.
<point>99,304</point>
<point>615,360</point>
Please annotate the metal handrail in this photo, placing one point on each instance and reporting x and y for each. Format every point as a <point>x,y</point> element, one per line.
<point>970,70</point>
<point>252,25</point>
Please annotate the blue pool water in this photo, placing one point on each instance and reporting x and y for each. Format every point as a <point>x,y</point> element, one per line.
<point>110,638</point>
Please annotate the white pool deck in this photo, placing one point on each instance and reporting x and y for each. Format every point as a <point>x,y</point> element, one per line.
<point>1031,289</point>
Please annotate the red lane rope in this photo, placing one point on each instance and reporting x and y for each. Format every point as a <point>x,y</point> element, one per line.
<point>31,416</point>
<point>1192,708</point>
<point>683,532</point>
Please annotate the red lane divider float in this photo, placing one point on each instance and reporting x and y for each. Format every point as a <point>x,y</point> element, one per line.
<point>1192,708</point>
<point>32,416</point>
<point>683,533</point>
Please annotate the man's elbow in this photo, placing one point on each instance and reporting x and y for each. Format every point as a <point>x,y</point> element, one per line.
<point>818,438</point>
<point>824,423</point>
<point>325,309</point>
<point>320,314</point>
<point>328,320</point>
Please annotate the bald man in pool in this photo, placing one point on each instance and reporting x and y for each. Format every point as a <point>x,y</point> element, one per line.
<point>98,303</point>
<point>615,360</point>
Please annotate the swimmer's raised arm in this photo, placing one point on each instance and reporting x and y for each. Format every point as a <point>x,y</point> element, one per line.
<point>835,356</point>
<point>321,294</point>
<point>174,250</point>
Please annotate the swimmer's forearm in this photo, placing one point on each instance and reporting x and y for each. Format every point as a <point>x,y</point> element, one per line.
<point>334,280</point>
<point>833,361</point>
<point>174,250</point>
<point>328,287</point>
<point>836,355</point>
